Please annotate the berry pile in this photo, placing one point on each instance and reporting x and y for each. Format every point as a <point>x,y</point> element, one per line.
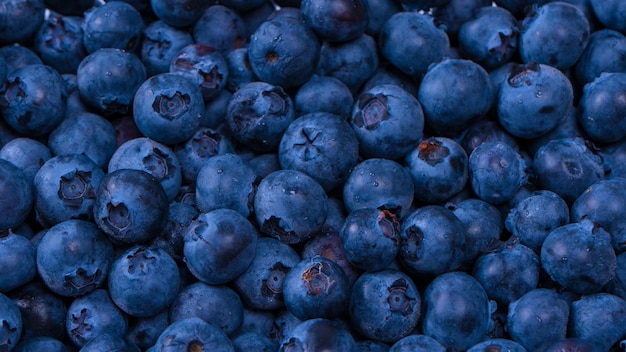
<point>312,175</point>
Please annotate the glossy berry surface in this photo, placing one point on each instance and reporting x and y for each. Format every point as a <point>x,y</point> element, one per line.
<point>166,103</point>
<point>130,206</point>
<point>302,194</point>
<point>385,305</point>
<point>443,163</point>
<point>143,281</point>
<point>74,258</point>
<point>579,256</point>
<point>219,246</point>
<point>316,288</point>
<point>310,145</point>
<point>388,122</point>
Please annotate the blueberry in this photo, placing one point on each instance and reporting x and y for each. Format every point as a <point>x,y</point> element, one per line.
<point>507,272</point>
<point>152,157</point>
<point>258,114</point>
<point>387,121</point>
<point>74,258</point>
<point>215,110</point>
<point>417,343</point>
<point>610,13</point>
<point>318,335</point>
<point>197,150</point>
<point>601,108</point>
<point>605,212</point>
<point>370,238</point>
<point>311,145</point>
<point>455,13</point>
<point>252,341</point>
<point>84,133</point>
<point>108,79</point>
<point>16,198</point>
<point>483,225</point>
<point>259,323</point>
<point>65,188</point>
<point>11,321</point>
<point>533,99</point>
<point>372,346</point>
<point>167,108</point>
<point>316,288</point>
<point>336,21</point>
<point>27,154</point>
<point>389,74</point>
<point>219,246</point>
<point>93,314</point>
<point>33,99</point>
<point>20,20</point>
<point>109,342</point>
<point>352,62</point>
<point>161,42</point>
<point>143,281</point>
<point>41,343</point>
<point>43,312</point>
<point>538,318</point>
<point>432,241</point>
<point>219,305</point>
<point>284,324</point>
<point>375,183</point>
<point>324,94</point>
<point>226,181</point>
<point>220,28</point>
<point>604,53</point>
<point>144,332</point>
<point>439,169</point>
<point>616,285</point>
<point>497,345</point>
<point>443,321</point>
<point>554,34</point>
<point>579,256</point>
<point>328,245</point>
<point>613,157</point>
<point>261,285</point>
<point>131,206</point>
<point>16,56</point>
<point>567,166</point>
<point>284,51</point>
<point>378,12</point>
<point>412,42</point>
<point>568,127</point>
<point>204,66</point>
<point>533,218</point>
<point>385,305</point>
<point>290,206</point>
<point>239,69</point>
<point>599,319</point>
<point>264,164</point>
<point>496,172</point>
<point>59,43</point>
<point>572,344</point>
<point>115,24</point>
<point>489,37</point>
<point>17,260</point>
<point>177,13</point>
<point>193,334</point>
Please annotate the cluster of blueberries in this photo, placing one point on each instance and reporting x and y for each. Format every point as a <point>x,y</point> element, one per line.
<point>312,175</point>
